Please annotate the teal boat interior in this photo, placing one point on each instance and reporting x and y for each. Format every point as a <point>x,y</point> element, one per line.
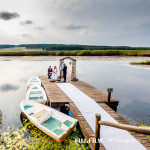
<point>35,98</point>
<point>34,81</point>
<point>53,125</point>
<point>27,107</point>
<point>68,123</point>
<point>35,88</point>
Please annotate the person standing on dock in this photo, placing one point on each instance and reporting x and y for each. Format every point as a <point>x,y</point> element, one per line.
<point>49,72</point>
<point>64,72</point>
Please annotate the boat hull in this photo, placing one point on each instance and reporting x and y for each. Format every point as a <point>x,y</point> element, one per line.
<point>63,138</point>
<point>55,114</point>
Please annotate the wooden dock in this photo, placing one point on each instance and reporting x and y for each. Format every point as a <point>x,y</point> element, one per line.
<point>57,98</point>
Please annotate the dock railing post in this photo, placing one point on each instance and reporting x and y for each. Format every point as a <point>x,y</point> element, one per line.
<point>97,132</point>
<point>109,95</point>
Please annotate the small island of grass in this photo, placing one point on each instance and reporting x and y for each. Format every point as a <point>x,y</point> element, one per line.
<point>140,63</point>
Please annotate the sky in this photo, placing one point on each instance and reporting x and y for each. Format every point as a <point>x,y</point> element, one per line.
<point>90,22</point>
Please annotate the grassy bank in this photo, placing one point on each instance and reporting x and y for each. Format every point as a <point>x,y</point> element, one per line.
<point>140,63</point>
<point>17,139</point>
<point>79,53</point>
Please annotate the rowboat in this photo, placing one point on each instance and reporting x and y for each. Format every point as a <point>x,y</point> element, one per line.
<point>33,81</point>
<point>37,94</point>
<point>52,122</point>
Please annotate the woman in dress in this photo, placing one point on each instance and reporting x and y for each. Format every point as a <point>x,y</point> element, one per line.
<point>54,73</point>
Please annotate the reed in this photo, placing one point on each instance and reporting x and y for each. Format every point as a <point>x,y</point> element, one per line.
<point>79,53</point>
<point>140,63</point>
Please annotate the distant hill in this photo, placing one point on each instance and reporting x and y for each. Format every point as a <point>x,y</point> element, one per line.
<point>60,47</point>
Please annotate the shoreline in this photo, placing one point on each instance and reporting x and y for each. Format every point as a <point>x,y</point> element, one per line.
<point>122,60</point>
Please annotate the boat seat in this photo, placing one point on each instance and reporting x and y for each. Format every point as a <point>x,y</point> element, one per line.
<point>30,110</point>
<point>42,116</point>
<point>36,95</point>
<point>40,113</point>
<point>64,127</point>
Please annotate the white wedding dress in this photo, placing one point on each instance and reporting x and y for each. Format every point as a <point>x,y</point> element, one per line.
<point>54,74</point>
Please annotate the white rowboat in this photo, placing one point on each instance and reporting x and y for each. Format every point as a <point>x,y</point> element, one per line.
<point>33,81</point>
<point>52,122</point>
<point>37,94</point>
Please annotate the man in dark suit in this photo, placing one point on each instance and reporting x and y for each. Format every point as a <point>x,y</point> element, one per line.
<point>49,72</point>
<point>64,72</point>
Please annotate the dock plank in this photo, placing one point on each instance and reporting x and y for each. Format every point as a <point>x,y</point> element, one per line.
<point>55,95</point>
<point>97,95</point>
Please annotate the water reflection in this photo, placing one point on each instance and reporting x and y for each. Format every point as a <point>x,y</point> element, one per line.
<point>131,86</point>
<point>8,87</point>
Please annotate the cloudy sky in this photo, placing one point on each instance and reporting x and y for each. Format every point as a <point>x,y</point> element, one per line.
<point>92,22</point>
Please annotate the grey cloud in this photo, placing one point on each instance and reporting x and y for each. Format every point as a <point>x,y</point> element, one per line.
<point>27,22</point>
<point>39,28</point>
<point>67,26</point>
<point>5,15</point>
<point>8,87</point>
<point>26,35</point>
<point>72,26</point>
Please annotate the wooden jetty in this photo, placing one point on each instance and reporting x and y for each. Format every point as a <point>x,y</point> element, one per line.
<point>57,97</point>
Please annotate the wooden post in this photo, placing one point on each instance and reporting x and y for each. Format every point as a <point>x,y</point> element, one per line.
<point>61,67</point>
<point>97,132</point>
<point>109,95</point>
<point>73,73</point>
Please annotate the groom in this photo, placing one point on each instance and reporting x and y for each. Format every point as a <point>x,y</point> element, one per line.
<point>64,71</point>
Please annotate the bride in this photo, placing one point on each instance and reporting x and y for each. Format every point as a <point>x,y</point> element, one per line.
<point>54,73</point>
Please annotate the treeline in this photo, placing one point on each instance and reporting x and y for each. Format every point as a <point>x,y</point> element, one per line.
<point>63,47</point>
<point>6,46</point>
<point>80,53</point>
<point>87,47</point>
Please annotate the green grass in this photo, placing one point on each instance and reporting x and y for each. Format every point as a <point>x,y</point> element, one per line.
<point>140,63</point>
<point>148,136</point>
<point>78,53</point>
<point>17,139</point>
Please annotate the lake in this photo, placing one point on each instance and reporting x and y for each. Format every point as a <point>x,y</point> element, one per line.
<point>131,86</point>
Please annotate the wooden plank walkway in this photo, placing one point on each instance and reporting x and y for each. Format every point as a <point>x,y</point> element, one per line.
<point>57,97</point>
<point>95,94</point>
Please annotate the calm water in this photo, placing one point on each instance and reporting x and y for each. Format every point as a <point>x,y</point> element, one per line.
<point>131,86</point>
